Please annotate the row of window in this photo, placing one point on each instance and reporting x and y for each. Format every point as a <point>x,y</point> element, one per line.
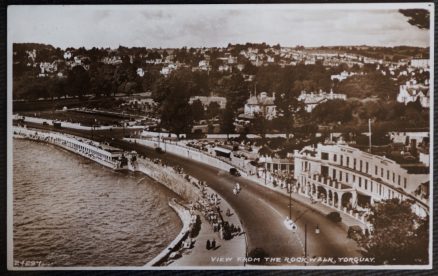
<point>360,180</point>
<point>86,149</point>
<point>365,184</point>
<point>364,167</point>
<point>282,167</point>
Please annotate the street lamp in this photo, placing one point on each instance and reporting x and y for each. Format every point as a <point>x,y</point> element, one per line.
<point>305,244</point>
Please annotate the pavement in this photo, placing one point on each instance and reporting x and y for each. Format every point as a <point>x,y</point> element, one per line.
<point>226,253</point>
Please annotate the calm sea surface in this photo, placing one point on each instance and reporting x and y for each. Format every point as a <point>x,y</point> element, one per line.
<point>69,211</point>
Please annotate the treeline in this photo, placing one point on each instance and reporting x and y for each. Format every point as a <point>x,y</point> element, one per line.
<point>385,53</point>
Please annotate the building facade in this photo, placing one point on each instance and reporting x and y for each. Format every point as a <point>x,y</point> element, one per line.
<point>311,100</point>
<point>347,178</point>
<point>207,100</point>
<point>411,92</point>
<point>261,104</point>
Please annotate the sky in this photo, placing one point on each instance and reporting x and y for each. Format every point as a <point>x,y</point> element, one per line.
<point>176,26</point>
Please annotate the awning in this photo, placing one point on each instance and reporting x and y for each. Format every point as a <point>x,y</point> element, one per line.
<point>226,151</point>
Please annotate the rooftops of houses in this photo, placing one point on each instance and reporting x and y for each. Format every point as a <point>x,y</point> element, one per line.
<point>261,99</point>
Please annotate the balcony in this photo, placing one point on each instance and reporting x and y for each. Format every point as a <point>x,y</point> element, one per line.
<point>328,181</point>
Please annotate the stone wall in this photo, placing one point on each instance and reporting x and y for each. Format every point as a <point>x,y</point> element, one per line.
<point>187,152</point>
<point>183,185</point>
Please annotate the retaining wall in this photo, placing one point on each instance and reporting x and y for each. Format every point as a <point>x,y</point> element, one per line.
<point>168,177</point>
<point>187,153</point>
<point>185,217</point>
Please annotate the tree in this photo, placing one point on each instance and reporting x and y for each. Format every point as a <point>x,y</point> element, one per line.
<point>213,109</point>
<point>236,91</point>
<point>288,106</point>
<point>324,112</point>
<point>78,81</point>
<point>172,95</point>
<point>417,17</point>
<point>56,88</point>
<point>399,236</point>
<point>197,110</point>
<point>177,116</point>
<point>227,120</point>
<point>259,125</point>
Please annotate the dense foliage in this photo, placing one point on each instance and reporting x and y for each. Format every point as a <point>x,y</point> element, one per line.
<point>399,236</point>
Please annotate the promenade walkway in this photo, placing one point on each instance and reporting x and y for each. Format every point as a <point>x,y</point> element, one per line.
<point>226,253</point>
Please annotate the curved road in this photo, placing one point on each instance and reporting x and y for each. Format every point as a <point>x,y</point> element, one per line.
<point>262,212</point>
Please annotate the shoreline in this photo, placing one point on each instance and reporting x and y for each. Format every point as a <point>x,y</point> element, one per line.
<point>184,185</point>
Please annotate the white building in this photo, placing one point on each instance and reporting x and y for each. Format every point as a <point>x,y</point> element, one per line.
<point>222,101</point>
<point>140,72</point>
<point>311,100</point>
<point>204,65</point>
<point>224,68</point>
<point>166,70</point>
<point>409,137</point>
<point>342,76</point>
<point>420,63</point>
<point>349,179</point>
<point>67,55</point>
<point>411,92</point>
<point>232,60</point>
<point>114,60</point>
<point>47,67</point>
<point>261,104</point>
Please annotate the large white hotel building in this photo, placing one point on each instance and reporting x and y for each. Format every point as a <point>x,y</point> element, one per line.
<point>348,178</point>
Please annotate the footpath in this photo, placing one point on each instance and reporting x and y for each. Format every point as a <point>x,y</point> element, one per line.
<point>229,252</point>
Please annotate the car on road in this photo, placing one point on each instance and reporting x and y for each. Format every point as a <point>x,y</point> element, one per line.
<point>355,232</point>
<point>334,216</point>
<point>234,171</point>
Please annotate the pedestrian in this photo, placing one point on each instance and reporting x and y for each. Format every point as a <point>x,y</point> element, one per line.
<point>208,245</point>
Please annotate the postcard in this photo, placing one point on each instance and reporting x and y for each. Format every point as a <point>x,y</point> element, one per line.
<point>262,136</point>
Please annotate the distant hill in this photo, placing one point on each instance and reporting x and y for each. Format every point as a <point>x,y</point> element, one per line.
<point>31,46</point>
<point>389,53</point>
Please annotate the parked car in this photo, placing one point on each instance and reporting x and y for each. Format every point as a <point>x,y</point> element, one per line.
<point>234,171</point>
<point>355,232</point>
<point>334,216</point>
<point>159,150</point>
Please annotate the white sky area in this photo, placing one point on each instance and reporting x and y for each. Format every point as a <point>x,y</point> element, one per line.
<point>213,25</point>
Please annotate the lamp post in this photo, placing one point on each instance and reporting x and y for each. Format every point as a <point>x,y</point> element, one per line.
<point>290,200</point>
<point>305,243</point>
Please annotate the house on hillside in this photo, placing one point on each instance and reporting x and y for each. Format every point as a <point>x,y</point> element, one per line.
<point>261,104</point>
<point>311,100</point>
<point>411,92</point>
<point>420,63</point>
<point>206,100</point>
<point>342,76</point>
